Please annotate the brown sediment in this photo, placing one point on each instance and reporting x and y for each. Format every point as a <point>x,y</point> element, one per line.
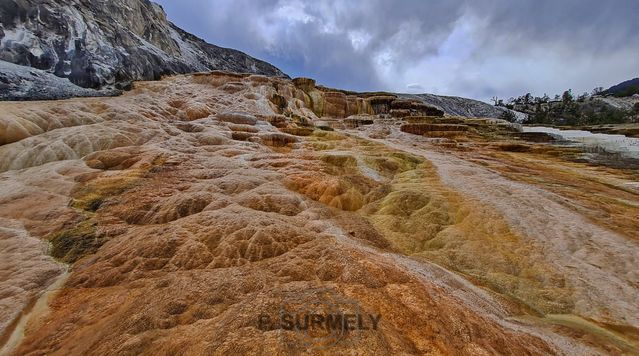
<point>191,205</point>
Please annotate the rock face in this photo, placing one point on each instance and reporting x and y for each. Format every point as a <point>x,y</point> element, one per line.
<point>457,106</point>
<point>25,83</point>
<point>98,44</point>
<point>340,103</point>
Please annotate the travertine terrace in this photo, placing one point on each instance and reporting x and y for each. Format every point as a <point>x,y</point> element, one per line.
<point>187,207</point>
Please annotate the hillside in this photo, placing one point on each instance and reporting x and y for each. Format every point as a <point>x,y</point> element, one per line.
<point>627,88</point>
<point>98,44</point>
<point>568,110</point>
<point>457,106</point>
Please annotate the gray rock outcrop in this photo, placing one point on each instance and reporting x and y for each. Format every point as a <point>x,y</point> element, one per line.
<point>107,44</point>
<point>457,106</point>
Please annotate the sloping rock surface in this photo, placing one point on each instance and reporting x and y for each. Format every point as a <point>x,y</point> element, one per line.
<point>458,106</point>
<point>20,83</point>
<point>189,207</point>
<point>96,43</point>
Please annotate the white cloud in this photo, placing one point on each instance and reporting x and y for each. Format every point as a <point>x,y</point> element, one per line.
<point>455,47</point>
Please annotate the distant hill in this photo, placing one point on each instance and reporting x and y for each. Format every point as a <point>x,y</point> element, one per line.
<point>627,88</point>
<point>457,106</point>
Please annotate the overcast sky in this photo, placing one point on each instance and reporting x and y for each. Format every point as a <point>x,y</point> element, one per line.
<point>473,48</point>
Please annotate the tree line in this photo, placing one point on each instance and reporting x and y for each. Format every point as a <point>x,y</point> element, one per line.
<point>567,109</point>
<point>528,99</point>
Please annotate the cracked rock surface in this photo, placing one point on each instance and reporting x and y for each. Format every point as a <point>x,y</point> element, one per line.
<point>188,207</point>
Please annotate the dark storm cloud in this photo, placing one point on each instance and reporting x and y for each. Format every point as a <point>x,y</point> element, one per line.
<point>589,25</point>
<point>470,48</point>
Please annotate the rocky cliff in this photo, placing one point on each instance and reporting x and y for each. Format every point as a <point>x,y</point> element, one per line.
<point>457,106</point>
<point>98,44</point>
<point>24,83</point>
<point>397,105</point>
